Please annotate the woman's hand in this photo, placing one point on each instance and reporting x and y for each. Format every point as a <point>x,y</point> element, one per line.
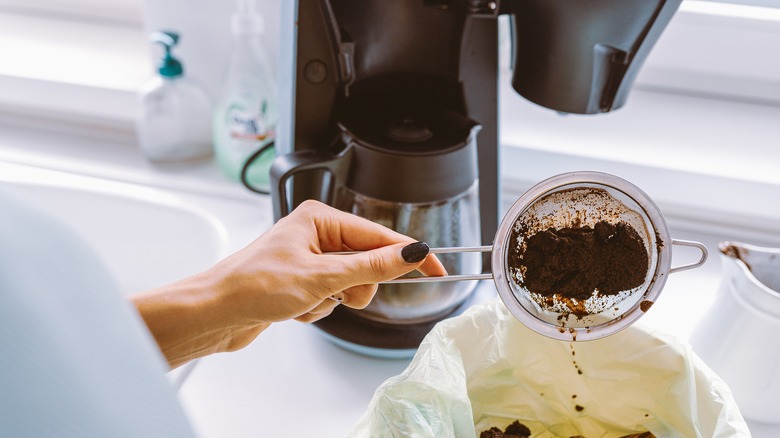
<point>287,273</point>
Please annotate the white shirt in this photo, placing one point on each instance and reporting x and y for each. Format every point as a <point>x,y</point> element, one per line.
<point>76,359</point>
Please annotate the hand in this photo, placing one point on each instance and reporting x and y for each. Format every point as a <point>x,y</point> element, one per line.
<point>286,273</point>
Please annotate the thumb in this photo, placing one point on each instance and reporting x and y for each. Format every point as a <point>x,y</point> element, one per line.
<point>386,263</point>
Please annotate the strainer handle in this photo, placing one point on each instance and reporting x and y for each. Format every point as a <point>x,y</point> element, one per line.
<point>459,277</point>
<point>455,249</point>
<point>442,250</point>
<point>696,264</point>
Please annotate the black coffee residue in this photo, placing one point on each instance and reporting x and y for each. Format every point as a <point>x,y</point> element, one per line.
<point>574,262</point>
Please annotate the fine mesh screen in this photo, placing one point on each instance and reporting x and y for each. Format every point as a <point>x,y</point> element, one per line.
<point>575,206</point>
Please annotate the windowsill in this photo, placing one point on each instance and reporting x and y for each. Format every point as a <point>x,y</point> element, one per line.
<point>70,69</point>
<point>113,159</point>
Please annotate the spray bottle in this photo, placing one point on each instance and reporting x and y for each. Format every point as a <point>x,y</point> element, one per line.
<point>246,114</point>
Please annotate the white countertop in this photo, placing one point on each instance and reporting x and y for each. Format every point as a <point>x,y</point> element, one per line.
<point>291,377</point>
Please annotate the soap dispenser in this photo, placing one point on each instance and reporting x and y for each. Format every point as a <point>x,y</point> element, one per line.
<point>174,125</point>
<point>245,115</point>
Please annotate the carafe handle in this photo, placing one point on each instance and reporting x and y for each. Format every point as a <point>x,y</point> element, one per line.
<point>286,166</point>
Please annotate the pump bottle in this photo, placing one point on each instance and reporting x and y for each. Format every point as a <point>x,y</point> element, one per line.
<point>174,125</point>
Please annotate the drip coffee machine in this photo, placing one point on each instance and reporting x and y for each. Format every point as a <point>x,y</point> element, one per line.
<point>389,111</point>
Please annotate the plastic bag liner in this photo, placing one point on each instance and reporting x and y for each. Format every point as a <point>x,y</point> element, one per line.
<point>484,369</point>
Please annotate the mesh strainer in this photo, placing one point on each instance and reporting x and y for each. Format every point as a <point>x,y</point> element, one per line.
<point>574,200</point>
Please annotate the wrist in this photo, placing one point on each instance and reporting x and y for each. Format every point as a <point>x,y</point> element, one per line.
<point>221,311</point>
<point>193,318</point>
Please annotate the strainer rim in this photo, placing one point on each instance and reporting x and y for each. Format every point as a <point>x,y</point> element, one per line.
<point>499,254</point>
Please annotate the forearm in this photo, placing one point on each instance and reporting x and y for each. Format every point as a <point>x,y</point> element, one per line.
<point>192,318</point>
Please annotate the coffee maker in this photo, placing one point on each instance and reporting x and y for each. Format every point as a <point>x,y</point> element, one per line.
<point>389,110</point>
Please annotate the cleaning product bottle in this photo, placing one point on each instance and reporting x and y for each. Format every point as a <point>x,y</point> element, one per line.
<point>175,121</point>
<point>246,114</point>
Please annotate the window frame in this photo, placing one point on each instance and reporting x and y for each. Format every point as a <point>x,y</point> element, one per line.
<point>118,12</point>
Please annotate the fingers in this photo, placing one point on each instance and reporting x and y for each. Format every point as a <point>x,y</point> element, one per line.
<point>419,251</point>
<point>393,261</point>
<point>432,267</point>
<point>356,297</point>
<point>362,272</point>
<point>338,229</point>
<point>351,280</point>
<point>320,311</point>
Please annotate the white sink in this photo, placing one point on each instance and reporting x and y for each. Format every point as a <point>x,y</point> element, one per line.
<point>146,237</point>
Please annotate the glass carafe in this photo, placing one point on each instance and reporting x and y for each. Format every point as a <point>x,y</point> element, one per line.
<point>414,170</point>
<point>443,223</point>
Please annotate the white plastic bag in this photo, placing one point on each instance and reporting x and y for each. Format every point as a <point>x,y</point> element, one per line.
<point>484,369</point>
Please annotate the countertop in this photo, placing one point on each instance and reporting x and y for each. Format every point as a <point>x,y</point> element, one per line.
<point>292,378</point>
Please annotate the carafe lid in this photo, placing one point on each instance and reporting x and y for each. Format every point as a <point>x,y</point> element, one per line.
<point>410,154</point>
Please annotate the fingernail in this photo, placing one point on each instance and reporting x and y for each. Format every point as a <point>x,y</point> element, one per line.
<point>414,252</point>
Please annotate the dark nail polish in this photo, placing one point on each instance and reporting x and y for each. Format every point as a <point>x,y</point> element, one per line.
<point>414,252</point>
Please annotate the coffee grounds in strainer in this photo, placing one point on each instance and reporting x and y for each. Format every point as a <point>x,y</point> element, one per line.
<point>575,262</point>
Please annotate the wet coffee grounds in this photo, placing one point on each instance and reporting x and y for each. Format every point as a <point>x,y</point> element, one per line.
<point>514,430</point>
<point>576,262</point>
<point>519,430</point>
